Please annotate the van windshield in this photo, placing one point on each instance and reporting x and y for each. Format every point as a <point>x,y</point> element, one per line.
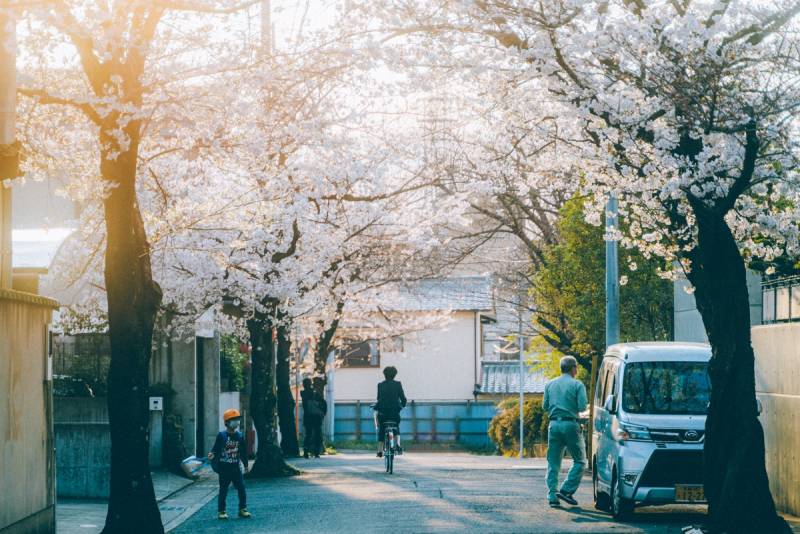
<point>666,388</point>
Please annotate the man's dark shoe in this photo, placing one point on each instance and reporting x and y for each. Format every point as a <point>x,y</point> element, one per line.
<point>567,498</point>
<point>555,504</point>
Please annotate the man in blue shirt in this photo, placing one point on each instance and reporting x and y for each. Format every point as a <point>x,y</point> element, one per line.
<point>564,400</point>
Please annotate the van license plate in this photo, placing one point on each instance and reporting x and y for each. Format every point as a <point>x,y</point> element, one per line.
<point>689,493</point>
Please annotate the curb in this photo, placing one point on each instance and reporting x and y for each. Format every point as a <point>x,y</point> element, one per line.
<point>204,495</point>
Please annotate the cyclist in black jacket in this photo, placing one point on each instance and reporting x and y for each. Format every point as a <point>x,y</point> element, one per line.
<point>391,399</point>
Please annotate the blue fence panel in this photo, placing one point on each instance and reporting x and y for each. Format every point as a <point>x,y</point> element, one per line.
<point>445,422</point>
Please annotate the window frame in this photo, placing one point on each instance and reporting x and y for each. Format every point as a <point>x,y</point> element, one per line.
<point>353,362</point>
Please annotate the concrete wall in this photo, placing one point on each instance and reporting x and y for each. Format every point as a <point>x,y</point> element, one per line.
<point>80,410</point>
<point>436,365</point>
<point>212,417</point>
<point>26,443</point>
<point>176,363</point>
<point>83,457</point>
<point>83,447</point>
<point>777,349</point>
<point>688,322</point>
<point>182,377</point>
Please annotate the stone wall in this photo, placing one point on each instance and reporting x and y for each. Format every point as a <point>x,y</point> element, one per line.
<point>777,349</point>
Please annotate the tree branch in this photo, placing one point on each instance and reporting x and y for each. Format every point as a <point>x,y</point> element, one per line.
<point>43,97</point>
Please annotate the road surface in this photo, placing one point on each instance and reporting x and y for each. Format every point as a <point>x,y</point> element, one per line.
<point>429,492</point>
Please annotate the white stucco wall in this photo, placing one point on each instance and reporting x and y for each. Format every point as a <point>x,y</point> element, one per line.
<point>437,364</point>
<point>777,349</point>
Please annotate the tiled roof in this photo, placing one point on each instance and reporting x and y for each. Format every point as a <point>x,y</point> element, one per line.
<point>456,293</point>
<point>503,377</point>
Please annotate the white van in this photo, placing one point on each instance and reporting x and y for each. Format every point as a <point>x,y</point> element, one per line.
<point>648,426</point>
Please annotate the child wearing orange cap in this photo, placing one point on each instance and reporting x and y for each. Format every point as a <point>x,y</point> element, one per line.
<point>228,451</point>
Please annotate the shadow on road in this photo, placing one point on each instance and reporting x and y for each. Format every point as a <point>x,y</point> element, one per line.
<point>646,516</point>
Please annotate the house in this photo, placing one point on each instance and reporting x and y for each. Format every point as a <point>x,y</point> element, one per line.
<point>185,374</point>
<point>26,416</point>
<point>450,369</point>
<point>26,413</point>
<point>775,323</point>
<point>501,379</point>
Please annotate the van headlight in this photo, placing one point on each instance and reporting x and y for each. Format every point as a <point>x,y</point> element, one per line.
<point>627,432</point>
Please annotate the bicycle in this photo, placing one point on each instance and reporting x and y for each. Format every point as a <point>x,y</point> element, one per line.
<point>389,445</point>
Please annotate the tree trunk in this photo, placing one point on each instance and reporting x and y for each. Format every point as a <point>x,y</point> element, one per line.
<point>286,406</point>
<point>133,299</point>
<point>735,476</point>
<point>263,402</point>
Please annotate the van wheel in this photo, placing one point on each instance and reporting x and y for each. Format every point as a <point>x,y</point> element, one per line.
<point>621,508</point>
<point>601,500</point>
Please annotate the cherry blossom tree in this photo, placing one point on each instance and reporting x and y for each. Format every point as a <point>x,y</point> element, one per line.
<point>114,66</point>
<point>685,112</point>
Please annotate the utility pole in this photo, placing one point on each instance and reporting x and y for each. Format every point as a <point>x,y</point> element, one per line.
<point>612,274</point>
<point>8,150</point>
<point>521,382</point>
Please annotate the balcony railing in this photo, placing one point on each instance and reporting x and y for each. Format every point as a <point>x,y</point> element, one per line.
<point>780,300</point>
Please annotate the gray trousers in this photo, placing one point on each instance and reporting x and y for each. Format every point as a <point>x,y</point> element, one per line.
<point>564,435</point>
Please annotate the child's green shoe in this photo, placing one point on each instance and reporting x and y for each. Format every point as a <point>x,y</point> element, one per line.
<point>222,515</point>
<point>244,513</point>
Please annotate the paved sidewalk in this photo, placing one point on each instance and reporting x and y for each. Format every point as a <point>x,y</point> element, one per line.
<point>178,498</point>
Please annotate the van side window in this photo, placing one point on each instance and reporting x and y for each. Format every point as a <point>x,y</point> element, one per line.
<point>599,395</point>
<point>608,388</point>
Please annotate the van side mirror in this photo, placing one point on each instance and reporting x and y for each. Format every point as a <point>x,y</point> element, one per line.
<point>610,404</point>
<point>759,407</point>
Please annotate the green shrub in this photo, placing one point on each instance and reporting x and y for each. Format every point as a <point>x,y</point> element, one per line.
<point>504,428</point>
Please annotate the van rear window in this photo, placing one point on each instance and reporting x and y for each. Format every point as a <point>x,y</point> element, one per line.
<point>666,388</point>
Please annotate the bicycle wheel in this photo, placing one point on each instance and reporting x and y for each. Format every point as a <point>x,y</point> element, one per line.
<point>390,463</point>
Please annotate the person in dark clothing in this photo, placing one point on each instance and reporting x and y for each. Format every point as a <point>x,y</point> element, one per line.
<point>391,399</point>
<point>314,410</point>
<point>228,452</point>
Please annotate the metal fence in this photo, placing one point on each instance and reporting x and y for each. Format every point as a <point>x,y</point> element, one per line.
<point>80,364</point>
<point>434,422</point>
<point>780,300</point>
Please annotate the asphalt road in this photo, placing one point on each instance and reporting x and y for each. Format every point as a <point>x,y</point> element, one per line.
<point>429,492</point>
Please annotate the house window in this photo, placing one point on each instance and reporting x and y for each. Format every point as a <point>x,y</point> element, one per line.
<point>393,344</point>
<point>354,353</point>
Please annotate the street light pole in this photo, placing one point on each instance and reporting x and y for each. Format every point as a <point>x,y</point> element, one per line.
<point>612,273</point>
<point>521,384</point>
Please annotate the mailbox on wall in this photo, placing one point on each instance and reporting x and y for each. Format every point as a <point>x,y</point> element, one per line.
<point>156,404</point>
